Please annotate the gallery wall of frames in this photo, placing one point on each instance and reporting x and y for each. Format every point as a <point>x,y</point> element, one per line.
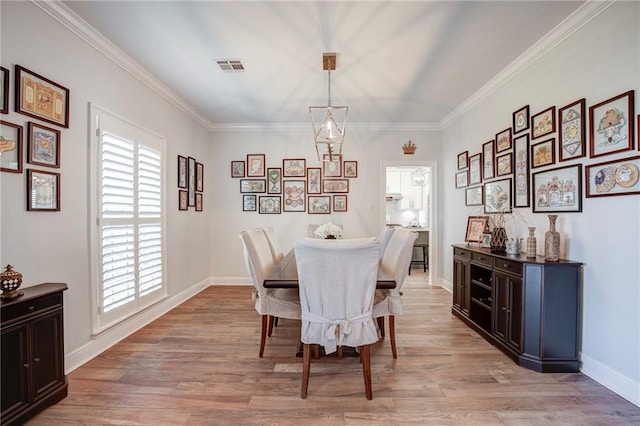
<point>190,183</point>
<point>538,161</point>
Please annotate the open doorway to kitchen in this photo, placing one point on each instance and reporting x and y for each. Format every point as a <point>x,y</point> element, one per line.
<point>410,201</point>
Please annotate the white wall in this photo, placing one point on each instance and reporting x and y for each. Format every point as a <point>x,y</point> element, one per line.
<point>597,62</point>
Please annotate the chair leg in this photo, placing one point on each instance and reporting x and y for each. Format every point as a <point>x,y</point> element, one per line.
<point>339,352</point>
<point>392,335</point>
<point>306,365</point>
<point>272,320</point>
<point>365,354</point>
<point>381,326</point>
<point>424,259</point>
<point>263,333</point>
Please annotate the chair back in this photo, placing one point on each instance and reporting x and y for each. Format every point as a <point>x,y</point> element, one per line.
<point>337,281</point>
<point>397,256</point>
<point>383,237</point>
<point>257,256</point>
<point>274,244</point>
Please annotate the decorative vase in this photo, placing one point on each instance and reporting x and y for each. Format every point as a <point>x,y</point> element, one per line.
<point>498,240</point>
<point>532,243</point>
<point>330,237</point>
<point>513,246</point>
<point>11,281</point>
<point>552,241</point>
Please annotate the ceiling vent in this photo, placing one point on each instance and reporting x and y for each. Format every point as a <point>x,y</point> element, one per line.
<point>230,65</point>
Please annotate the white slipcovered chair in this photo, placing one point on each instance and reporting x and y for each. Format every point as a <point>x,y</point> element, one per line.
<point>337,281</point>
<point>272,302</point>
<point>395,262</point>
<point>274,244</point>
<point>383,237</point>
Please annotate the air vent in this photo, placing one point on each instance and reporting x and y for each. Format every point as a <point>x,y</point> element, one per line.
<point>230,66</point>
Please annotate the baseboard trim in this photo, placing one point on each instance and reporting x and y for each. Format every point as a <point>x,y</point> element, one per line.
<point>611,379</point>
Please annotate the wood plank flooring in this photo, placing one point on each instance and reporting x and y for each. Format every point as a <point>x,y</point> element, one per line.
<point>199,365</point>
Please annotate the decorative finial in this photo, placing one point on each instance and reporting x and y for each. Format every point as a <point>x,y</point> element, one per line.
<point>409,148</point>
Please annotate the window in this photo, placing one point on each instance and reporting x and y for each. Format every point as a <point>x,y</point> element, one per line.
<point>128,206</point>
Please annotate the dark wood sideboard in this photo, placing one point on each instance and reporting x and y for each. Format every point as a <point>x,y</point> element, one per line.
<point>526,307</point>
<point>32,352</point>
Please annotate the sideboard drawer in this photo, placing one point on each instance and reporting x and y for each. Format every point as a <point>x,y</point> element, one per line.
<point>20,310</point>
<point>509,266</point>
<point>482,258</point>
<point>458,252</point>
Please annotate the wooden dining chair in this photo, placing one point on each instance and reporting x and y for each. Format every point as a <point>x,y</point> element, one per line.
<point>337,281</point>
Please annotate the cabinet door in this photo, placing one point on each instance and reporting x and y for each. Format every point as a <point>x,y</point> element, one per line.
<point>47,368</point>
<point>15,369</point>
<point>461,280</point>
<point>507,319</point>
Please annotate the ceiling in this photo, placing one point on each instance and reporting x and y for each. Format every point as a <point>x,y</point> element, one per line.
<point>398,62</point>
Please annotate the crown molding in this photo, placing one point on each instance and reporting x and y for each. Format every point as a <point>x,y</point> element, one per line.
<point>579,18</point>
<point>261,127</point>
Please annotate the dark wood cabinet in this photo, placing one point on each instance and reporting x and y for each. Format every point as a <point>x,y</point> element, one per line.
<point>528,308</point>
<point>32,352</point>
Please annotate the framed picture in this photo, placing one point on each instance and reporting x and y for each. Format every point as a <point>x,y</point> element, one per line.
<point>503,140</point>
<point>521,120</point>
<point>463,160</point>
<point>558,190</point>
<point>617,177</point>
<point>339,203</point>
<point>350,169</point>
<point>313,180</point>
<point>475,228</point>
<point>521,171</point>
<point>199,179</point>
<point>488,168</point>
<point>462,179</point>
<point>183,199</point>
<point>249,203</point>
<point>497,196</point>
<point>473,196</point>
<point>237,169</point>
<point>182,171</point>
<point>486,241</point>
<point>475,169</point>
<point>571,130</point>
<point>543,153</point>
<point>331,168</point>
<point>198,202</point>
<point>191,178</point>
<point>43,192</point>
<point>10,147</point>
<point>335,185</point>
<point>274,175</point>
<point>294,167</point>
<point>611,125</point>
<point>255,165</point>
<point>4,90</point>
<point>253,186</point>
<point>293,192</point>
<point>44,145</point>
<point>504,164</point>
<point>543,123</point>
<point>270,204</point>
<point>319,204</point>
<point>39,97</point>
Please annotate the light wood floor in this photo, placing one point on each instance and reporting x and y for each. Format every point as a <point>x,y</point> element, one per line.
<point>199,365</point>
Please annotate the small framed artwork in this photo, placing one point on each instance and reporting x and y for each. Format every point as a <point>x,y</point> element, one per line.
<point>331,168</point>
<point>521,171</point>
<point>571,130</point>
<point>521,120</point>
<point>274,174</point>
<point>293,193</point>
<point>44,145</point>
<point>339,203</point>
<point>4,90</point>
<point>249,203</point>
<point>335,185</point>
<point>617,177</point>
<point>254,186</point>
<point>319,204</point>
<point>237,169</point>
<point>475,228</point>
<point>270,204</point>
<point>497,196</point>
<point>255,165</point>
<point>473,196</point>
<point>543,123</point>
<point>191,178</point>
<point>558,190</point>
<point>182,171</point>
<point>462,179</point>
<point>183,199</point>
<point>611,125</point>
<point>475,169</point>
<point>503,140</point>
<point>350,169</point>
<point>43,192</point>
<point>543,153</point>
<point>39,97</point>
<point>199,179</point>
<point>463,160</point>
<point>198,201</point>
<point>313,180</point>
<point>504,164</point>
<point>10,147</point>
<point>488,168</point>
<point>294,167</point>
<point>486,241</point>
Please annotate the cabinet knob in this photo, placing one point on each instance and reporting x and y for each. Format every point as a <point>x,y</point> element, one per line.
<point>26,365</point>
<point>504,309</point>
<point>30,308</point>
<point>36,360</point>
<point>506,266</point>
